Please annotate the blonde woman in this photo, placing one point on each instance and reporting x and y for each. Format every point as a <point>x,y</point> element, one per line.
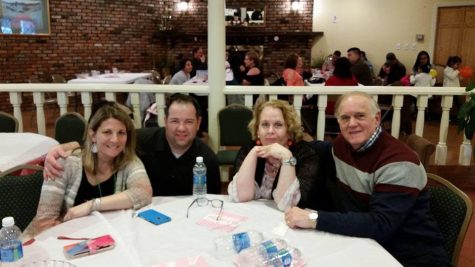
<point>279,165</point>
<point>104,175</point>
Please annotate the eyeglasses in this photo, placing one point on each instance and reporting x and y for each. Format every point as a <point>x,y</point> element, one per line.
<point>215,203</point>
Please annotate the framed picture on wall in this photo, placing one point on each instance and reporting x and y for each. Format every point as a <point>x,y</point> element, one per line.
<point>26,17</point>
<point>244,16</point>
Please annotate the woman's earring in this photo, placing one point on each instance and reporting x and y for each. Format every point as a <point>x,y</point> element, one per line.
<point>258,142</point>
<point>94,148</point>
<point>289,143</point>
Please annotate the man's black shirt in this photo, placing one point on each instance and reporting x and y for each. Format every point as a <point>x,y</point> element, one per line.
<point>171,176</point>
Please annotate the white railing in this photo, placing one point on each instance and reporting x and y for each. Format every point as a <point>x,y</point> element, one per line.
<point>86,90</point>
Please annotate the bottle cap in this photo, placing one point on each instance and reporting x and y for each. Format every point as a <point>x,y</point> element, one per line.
<point>8,221</point>
<point>199,159</point>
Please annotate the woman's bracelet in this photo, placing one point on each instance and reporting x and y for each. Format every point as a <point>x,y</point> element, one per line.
<point>95,205</point>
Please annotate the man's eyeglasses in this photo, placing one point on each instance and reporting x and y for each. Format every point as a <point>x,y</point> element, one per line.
<point>215,203</point>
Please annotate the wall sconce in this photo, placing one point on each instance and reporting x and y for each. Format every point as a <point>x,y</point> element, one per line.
<point>183,5</point>
<point>295,5</point>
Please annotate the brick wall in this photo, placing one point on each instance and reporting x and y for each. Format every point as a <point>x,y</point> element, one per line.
<point>101,34</point>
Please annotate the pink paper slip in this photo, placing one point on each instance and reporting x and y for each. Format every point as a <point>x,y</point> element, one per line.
<point>196,261</point>
<point>227,222</point>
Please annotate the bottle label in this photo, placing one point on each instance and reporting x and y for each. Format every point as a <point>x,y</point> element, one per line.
<point>285,257</point>
<point>270,247</point>
<point>199,179</point>
<point>11,252</point>
<point>241,241</point>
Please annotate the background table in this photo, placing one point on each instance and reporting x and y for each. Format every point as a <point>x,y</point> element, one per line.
<point>139,243</point>
<point>112,78</point>
<point>22,148</point>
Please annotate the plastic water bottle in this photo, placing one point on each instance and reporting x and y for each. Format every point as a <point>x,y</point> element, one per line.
<point>261,253</point>
<point>228,245</point>
<point>284,258</point>
<point>11,249</point>
<point>199,179</point>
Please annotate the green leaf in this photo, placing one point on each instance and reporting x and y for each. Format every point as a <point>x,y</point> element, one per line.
<point>470,87</point>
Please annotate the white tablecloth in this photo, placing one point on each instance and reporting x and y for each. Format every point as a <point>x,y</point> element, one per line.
<point>112,78</point>
<point>139,243</point>
<point>21,148</point>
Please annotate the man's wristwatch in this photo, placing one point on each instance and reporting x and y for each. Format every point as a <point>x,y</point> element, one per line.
<point>313,217</point>
<point>292,161</point>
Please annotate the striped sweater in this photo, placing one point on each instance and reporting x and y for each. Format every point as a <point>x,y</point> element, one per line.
<point>380,194</point>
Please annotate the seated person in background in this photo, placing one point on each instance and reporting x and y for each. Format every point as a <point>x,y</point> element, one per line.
<point>396,69</point>
<point>370,65</point>
<point>329,64</point>
<point>290,74</point>
<point>384,72</point>
<point>359,68</point>
<point>168,153</point>
<point>279,165</point>
<point>104,175</point>
<point>253,74</point>
<point>183,75</point>
<point>423,78</point>
<point>341,77</point>
<point>379,189</point>
<point>198,61</point>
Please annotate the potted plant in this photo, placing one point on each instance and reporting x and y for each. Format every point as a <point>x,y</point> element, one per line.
<point>466,114</point>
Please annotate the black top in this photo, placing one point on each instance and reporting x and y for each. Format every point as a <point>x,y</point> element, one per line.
<point>197,65</point>
<point>87,191</point>
<point>308,171</point>
<point>171,176</point>
<point>255,79</point>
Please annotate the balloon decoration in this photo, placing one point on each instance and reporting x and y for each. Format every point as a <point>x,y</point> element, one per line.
<point>466,72</point>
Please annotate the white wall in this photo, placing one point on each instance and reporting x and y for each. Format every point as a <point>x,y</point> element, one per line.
<point>377,26</point>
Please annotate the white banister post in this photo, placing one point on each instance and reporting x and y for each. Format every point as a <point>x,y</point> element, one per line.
<point>110,96</point>
<point>248,101</point>
<point>465,152</point>
<point>16,100</point>
<point>273,97</point>
<point>63,102</point>
<point>396,122</point>
<point>216,77</point>
<point>39,100</point>
<point>322,105</point>
<point>421,107</point>
<point>135,102</point>
<point>441,149</point>
<point>298,104</point>
<point>161,105</point>
<point>86,100</point>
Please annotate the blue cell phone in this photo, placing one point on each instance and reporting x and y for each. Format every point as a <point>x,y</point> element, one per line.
<point>154,216</point>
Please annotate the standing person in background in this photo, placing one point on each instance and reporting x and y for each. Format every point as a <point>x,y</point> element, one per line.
<point>451,72</point>
<point>183,75</point>
<point>198,61</point>
<point>359,68</point>
<point>423,78</point>
<point>105,174</point>
<point>422,60</point>
<point>290,75</point>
